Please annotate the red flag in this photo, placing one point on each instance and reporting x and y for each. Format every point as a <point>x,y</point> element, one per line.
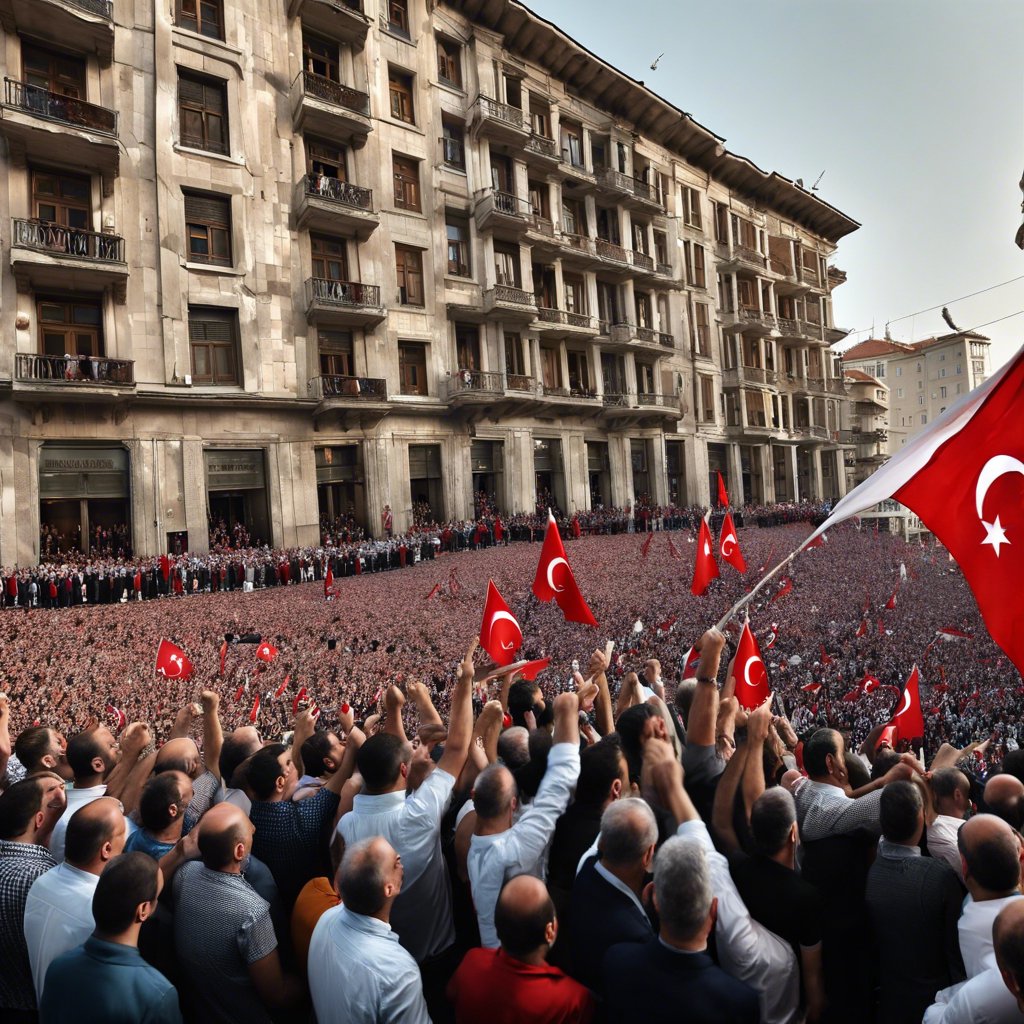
<point>751,675</point>
<point>118,716</point>
<point>690,663</point>
<point>909,720</point>
<point>816,543</point>
<point>729,545</point>
<point>862,629</point>
<point>705,568</point>
<point>358,565</point>
<point>891,603</point>
<point>773,635</point>
<point>284,686</point>
<point>172,662</point>
<point>811,688</point>
<point>435,591</point>
<point>255,713</point>
<point>951,633</point>
<point>165,566</point>
<point>852,695</point>
<point>825,659</point>
<point>576,527</point>
<point>239,692</point>
<point>554,579</point>
<point>500,633</point>
<point>785,587</point>
<point>223,656</point>
<point>869,683</point>
<point>499,531</point>
<point>453,583</point>
<point>887,735</point>
<point>672,549</point>
<point>266,652</point>
<point>328,581</point>
<point>723,497</point>
<point>532,669</point>
<point>299,697</point>
<point>646,546</point>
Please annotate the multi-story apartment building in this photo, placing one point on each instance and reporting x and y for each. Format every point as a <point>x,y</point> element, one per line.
<point>283,259</point>
<point>865,421</point>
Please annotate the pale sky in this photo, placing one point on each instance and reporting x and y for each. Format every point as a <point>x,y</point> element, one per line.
<point>912,108</point>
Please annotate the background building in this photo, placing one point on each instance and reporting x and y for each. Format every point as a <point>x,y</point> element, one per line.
<point>283,259</point>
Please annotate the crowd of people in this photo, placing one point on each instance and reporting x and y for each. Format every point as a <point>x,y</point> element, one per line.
<point>104,541</point>
<point>372,825</point>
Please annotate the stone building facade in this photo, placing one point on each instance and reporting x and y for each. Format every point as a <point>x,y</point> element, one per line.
<point>269,260</point>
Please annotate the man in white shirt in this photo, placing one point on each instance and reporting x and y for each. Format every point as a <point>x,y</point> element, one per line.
<point>499,848</point>
<point>58,912</point>
<point>951,792</point>
<point>991,868</point>
<point>358,972</point>
<point>422,914</point>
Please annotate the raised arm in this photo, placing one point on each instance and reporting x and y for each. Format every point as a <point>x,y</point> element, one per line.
<point>598,671</point>
<point>134,740</point>
<point>460,722</point>
<point>213,734</point>
<point>303,727</point>
<point>5,733</point>
<point>354,739</point>
<point>703,718</point>
<point>725,799</point>
<point>419,697</point>
<point>662,776</point>
<point>394,700</point>
<point>758,723</point>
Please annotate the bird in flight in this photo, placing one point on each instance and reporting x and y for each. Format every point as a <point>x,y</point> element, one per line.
<point>654,63</point>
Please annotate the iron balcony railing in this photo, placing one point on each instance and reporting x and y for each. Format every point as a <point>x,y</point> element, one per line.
<point>476,382</point>
<point>359,389</point>
<point>651,398</point>
<point>101,8</point>
<point>542,146</point>
<point>336,191</point>
<point>615,399</point>
<point>666,340</point>
<point>641,260</point>
<point>520,382</point>
<point>610,251</point>
<point>514,296</point>
<point>64,241</point>
<point>492,109</point>
<point>71,369</point>
<point>341,293</point>
<point>53,106</point>
<point>548,315</point>
<point>665,269</point>
<point>580,243</point>
<point>334,92</point>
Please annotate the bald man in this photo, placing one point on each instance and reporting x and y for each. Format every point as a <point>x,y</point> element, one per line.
<point>517,976</point>
<point>1008,936</point>
<point>58,911</point>
<point>357,969</point>
<point>1004,796</point>
<point>990,855</point>
<point>223,932</point>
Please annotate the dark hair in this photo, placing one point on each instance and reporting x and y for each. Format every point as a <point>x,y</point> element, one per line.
<point>522,696</point>
<point>900,811</point>
<point>1013,764</point>
<point>82,750</point>
<point>856,774</point>
<point>234,751</point>
<point>217,847</point>
<point>491,791</point>
<point>380,760</point>
<point>771,819</point>
<point>86,833</point>
<point>994,862</point>
<point>155,804</point>
<point>361,879</point>
<point>630,727</point>
<point>883,762</point>
<point>19,804</point>
<point>529,776</point>
<point>817,748</point>
<point>265,770</point>
<point>521,929</point>
<point>512,751</point>
<point>32,745</point>
<point>128,880</point>
<point>600,766</point>
<point>314,750</point>
<point>948,781</point>
<point>1008,940</point>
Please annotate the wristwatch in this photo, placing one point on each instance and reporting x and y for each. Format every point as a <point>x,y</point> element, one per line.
<point>707,679</point>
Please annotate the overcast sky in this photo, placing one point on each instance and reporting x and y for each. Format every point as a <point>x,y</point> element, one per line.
<point>912,108</point>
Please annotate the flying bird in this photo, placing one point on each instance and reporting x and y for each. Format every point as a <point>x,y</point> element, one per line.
<point>949,320</point>
<point>654,63</point>
<point>814,187</point>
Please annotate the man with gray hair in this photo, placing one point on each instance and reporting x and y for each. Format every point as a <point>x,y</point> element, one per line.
<point>673,973</point>
<point>607,897</point>
<point>951,795</point>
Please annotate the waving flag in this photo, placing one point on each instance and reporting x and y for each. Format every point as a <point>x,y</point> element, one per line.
<point>279,692</point>
<point>172,662</point>
<point>811,688</point>
<point>554,579</point>
<point>299,698</point>
<point>119,718</point>
<point>500,633</point>
<point>255,713</point>
<point>329,581</point>
<point>948,633</point>
<point>785,587</point>
<point>729,545</point>
<point>869,683</point>
<point>690,663</point>
<point>891,603</point>
<point>909,719</point>
<point>723,497</point>
<point>771,636</point>
<point>266,652</point>
<point>862,629</point>
<point>751,675</point>
<point>434,591</point>
<point>532,669</point>
<point>705,568</point>
<point>223,656</point>
<point>825,659</point>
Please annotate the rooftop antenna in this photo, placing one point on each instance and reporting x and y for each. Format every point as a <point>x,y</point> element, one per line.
<point>654,63</point>
<point>814,187</point>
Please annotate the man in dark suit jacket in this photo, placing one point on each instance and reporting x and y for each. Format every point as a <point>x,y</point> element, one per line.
<point>606,904</point>
<point>672,977</point>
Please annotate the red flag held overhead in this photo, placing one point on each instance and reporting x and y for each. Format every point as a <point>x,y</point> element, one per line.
<point>751,675</point>
<point>500,633</point>
<point>705,568</point>
<point>284,686</point>
<point>825,658</point>
<point>532,669</point>
<point>266,652</point>
<point>784,588</point>
<point>172,662</point>
<point>119,718</point>
<point>891,603</point>
<point>255,713</point>
<point>554,579</point>
<point>909,720</point>
<point>729,545</point>
<point>862,629</point>
<point>299,698</point>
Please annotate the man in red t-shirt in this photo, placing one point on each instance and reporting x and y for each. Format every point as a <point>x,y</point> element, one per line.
<point>515,983</point>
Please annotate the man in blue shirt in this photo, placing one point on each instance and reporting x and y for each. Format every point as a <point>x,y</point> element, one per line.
<point>105,980</point>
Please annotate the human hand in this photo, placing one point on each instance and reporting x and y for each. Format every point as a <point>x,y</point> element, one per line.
<point>466,669</point>
<point>711,642</point>
<point>346,718</point>
<point>210,702</point>
<point>759,722</point>
<point>598,664</point>
<point>135,739</point>
<point>417,693</point>
<point>394,700</point>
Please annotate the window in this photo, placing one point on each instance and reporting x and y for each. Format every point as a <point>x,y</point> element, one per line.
<point>320,57</point>
<point>942,357</point>
<point>707,398</point>
<point>540,199</point>
<point>579,373</point>
<point>573,218</point>
<point>514,362</point>
<point>54,72</point>
<point>208,223</point>
<point>899,392</point>
<point>942,371</point>
<point>661,248</point>
<point>880,370</point>
<point>540,119</point>
<point>506,264</point>
<point>918,367</point>
<point>467,346</point>
<point>202,108</point>
<point>942,392</point>
<point>449,63</point>
<point>607,302</point>
<point>575,294</point>
<point>203,16</point>
<point>691,206</point>
<point>453,146</point>
<point>572,143</point>
<point>924,418</point>
<point>920,399</point>
<point>640,238</point>
<point>70,328</point>
<point>721,222</point>
<point>409,265</point>
<point>701,329</point>
<point>325,158</point>
<point>412,367</point>
<point>212,337</point>
<point>398,17</point>
<point>407,182</point>
<point>920,385</point>
<point>335,349</point>
<point>400,89</point>
<point>458,246</point>
<point>62,199</point>
<point>959,369</point>
<point>899,371</point>
<point>978,367</point>
<point>696,275</point>
<point>330,258</point>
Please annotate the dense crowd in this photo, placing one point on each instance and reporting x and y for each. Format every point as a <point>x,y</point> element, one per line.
<point>368,827</point>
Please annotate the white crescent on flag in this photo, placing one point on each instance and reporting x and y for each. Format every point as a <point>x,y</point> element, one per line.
<point>906,703</point>
<point>499,615</point>
<point>746,670</point>
<point>551,568</point>
<point>729,538</point>
<point>997,466</point>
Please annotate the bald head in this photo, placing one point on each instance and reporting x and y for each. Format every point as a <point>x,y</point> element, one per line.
<point>524,917</point>
<point>225,837</point>
<point>494,792</point>
<point>991,856</point>
<point>370,877</point>
<point>180,755</point>
<point>514,747</point>
<point>96,832</point>
<point>1004,795</point>
<point>1008,940</point>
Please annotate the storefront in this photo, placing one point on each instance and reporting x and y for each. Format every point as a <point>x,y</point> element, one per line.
<point>341,484</point>
<point>236,490</point>
<point>425,483</point>
<point>549,473</point>
<point>488,466</point>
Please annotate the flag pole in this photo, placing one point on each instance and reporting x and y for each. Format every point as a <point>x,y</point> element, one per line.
<point>747,598</point>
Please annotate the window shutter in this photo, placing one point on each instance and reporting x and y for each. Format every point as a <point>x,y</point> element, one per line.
<point>211,325</point>
<point>206,209</point>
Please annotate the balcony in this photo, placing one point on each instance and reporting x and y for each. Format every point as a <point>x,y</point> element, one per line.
<point>541,151</point>
<point>475,387</point>
<point>810,277</point>
<point>90,23</point>
<point>805,431</point>
<point>509,302</point>
<point>503,214</point>
<point>636,409</point>
<point>343,303</point>
<point>750,321</point>
<point>577,249</point>
<point>322,106</point>
<point>328,204</point>
<point>625,336</point>
<point>89,378</point>
<point>355,401</point>
<point>500,122</point>
<point>48,126</point>
<point>613,255</point>
<point>560,323</point>
<point>642,263</point>
<point>741,375</point>
<point>343,20</point>
<point>739,258</point>
<point>632,192</point>
<point>540,233</point>
<point>52,256</point>
<point>834,335</point>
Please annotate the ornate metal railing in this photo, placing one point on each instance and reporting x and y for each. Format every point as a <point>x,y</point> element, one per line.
<point>334,92</point>
<point>101,8</point>
<point>610,251</point>
<point>336,191</point>
<point>641,260</point>
<point>542,146</point>
<point>468,381</point>
<point>358,389</point>
<point>520,382</point>
<point>512,116</point>
<point>515,296</point>
<point>64,241</point>
<point>74,369</point>
<point>55,107</point>
<point>341,293</point>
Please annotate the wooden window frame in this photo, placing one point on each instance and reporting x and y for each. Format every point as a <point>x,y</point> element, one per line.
<point>398,18</point>
<point>210,225</point>
<point>453,133</point>
<point>406,173</point>
<point>318,52</point>
<point>459,246</point>
<point>408,383</point>
<point>204,17</point>
<point>71,330</point>
<point>204,111</point>
<point>401,100</point>
<point>321,251</point>
<point>409,272</point>
<point>449,62</point>
<point>206,315</point>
